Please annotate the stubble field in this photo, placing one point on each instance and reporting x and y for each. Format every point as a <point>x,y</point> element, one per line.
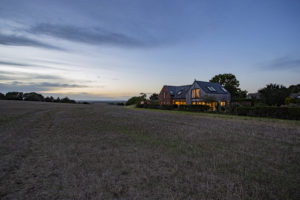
<point>66,151</point>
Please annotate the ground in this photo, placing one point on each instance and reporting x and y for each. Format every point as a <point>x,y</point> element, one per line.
<point>72,151</point>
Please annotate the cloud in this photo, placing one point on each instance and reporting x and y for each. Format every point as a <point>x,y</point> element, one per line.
<point>16,40</point>
<point>94,36</point>
<point>19,64</point>
<point>35,86</point>
<point>284,63</point>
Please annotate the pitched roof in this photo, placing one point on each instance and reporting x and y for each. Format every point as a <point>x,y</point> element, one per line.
<point>212,88</point>
<point>178,92</point>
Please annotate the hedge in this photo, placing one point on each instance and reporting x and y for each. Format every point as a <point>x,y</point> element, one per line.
<point>270,111</point>
<point>260,111</point>
<point>195,108</point>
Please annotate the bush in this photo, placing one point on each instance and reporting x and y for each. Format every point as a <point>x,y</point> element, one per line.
<point>134,100</point>
<point>33,97</point>
<point>194,108</point>
<point>14,96</point>
<point>270,111</point>
<point>2,96</point>
<point>67,100</point>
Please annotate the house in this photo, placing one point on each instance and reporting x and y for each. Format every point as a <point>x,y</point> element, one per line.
<point>199,93</point>
<point>173,94</point>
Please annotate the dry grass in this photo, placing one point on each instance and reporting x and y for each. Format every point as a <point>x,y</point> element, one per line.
<point>65,151</point>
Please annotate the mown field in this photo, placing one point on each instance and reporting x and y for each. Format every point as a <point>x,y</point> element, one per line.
<point>66,151</point>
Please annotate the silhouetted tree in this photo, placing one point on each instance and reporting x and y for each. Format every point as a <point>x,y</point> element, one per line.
<point>57,100</point>
<point>231,84</point>
<point>49,99</point>
<point>67,100</point>
<point>2,96</point>
<point>32,96</point>
<point>274,94</point>
<point>136,100</point>
<point>294,88</point>
<point>14,96</point>
<point>154,97</point>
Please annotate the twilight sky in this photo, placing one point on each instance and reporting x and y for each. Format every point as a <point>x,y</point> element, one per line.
<point>96,49</point>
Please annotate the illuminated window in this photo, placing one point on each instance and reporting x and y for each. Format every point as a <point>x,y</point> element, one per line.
<point>196,93</point>
<point>180,102</point>
<point>222,103</point>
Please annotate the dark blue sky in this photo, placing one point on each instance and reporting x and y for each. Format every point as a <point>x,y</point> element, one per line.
<point>116,49</point>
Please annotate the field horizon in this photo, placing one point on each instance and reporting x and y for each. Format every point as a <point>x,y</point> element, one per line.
<point>100,151</point>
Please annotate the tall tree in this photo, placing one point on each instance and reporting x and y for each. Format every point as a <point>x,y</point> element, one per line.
<point>154,97</point>
<point>2,96</point>
<point>14,96</point>
<point>274,94</point>
<point>231,84</point>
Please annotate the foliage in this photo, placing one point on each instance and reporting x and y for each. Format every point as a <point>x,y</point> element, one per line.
<point>136,100</point>
<point>2,96</point>
<point>291,100</point>
<point>274,94</point>
<point>32,96</point>
<point>194,108</point>
<point>49,99</point>
<point>231,84</point>
<point>154,97</point>
<point>14,96</point>
<point>270,111</point>
<point>67,100</point>
<point>294,88</point>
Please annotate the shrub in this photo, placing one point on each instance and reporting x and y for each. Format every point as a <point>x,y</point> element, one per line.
<point>2,96</point>
<point>32,96</point>
<point>168,107</point>
<point>134,100</point>
<point>195,108</point>
<point>14,96</point>
<point>270,111</point>
<point>67,100</point>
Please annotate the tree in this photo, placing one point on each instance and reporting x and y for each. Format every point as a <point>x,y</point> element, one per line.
<point>2,96</point>
<point>67,100</point>
<point>154,97</point>
<point>231,84</point>
<point>136,100</point>
<point>294,88</point>
<point>49,99</point>
<point>14,96</point>
<point>32,96</point>
<point>274,94</point>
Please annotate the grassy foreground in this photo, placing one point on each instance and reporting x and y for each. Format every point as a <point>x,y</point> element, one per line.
<point>65,151</point>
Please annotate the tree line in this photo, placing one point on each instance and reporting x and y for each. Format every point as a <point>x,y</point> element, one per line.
<point>33,96</point>
<point>270,95</point>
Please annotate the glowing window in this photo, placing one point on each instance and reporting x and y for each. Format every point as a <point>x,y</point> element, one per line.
<point>196,93</point>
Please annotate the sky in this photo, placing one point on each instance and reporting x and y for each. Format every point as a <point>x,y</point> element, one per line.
<point>112,50</point>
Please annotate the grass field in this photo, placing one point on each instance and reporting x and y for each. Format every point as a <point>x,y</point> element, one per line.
<point>71,151</point>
